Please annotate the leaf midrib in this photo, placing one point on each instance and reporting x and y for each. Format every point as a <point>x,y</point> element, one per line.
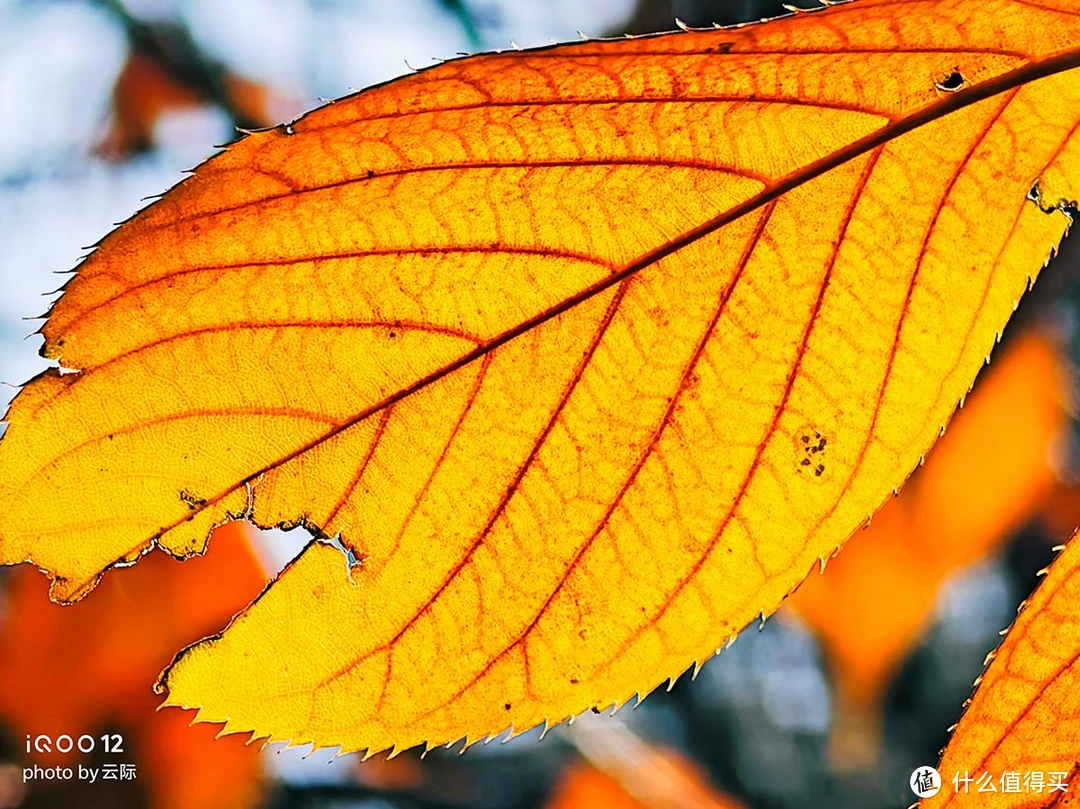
<point>1059,63</point>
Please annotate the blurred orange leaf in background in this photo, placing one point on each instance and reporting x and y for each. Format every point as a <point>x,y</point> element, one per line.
<point>585,787</point>
<point>997,465</point>
<point>584,377</point>
<point>89,667</point>
<point>1061,514</point>
<point>623,771</point>
<point>155,82</point>
<point>1025,715</point>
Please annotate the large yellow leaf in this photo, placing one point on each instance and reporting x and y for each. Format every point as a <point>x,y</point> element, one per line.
<point>1018,743</point>
<point>588,354</point>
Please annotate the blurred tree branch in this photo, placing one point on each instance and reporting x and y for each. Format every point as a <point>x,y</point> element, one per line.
<point>460,9</point>
<point>660,15</point>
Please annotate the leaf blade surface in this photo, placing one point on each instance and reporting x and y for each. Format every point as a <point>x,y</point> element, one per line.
<point>588,353</point>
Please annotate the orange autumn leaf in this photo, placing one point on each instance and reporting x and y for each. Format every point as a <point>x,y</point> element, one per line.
<point>1060,515</point>
<point>993,470</point>
<point>388,774</point>
<point>82,669</point>
<point>148,89</point>
<point>622,771</point>
<point>143,93</point>
<point>1025,717</point>
<point>585,787</point>
<point>547,338</point>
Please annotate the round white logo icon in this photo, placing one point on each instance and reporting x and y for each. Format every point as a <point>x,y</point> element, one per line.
<point>925,782</point>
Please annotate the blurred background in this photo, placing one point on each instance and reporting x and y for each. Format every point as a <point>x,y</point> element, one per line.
<point>833,701</point>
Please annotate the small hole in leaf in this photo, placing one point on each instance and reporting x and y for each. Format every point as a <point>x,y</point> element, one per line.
<point>951,83</point>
